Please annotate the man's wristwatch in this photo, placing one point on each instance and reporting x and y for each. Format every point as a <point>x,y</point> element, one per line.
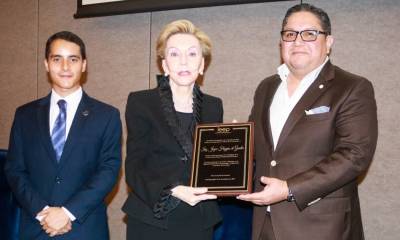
<point>290,197</point>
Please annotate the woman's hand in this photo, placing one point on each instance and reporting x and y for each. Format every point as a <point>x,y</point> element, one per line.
<point>190,195</point>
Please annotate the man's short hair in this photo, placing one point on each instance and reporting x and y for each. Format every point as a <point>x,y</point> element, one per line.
<point>67,36</point>
<point>318,12</point>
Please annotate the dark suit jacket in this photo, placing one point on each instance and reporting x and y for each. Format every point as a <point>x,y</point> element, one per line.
<point>154,156</point>
<point>319,155</point>
<point>86,173</point>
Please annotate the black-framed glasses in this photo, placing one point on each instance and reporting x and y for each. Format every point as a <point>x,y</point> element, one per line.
<point>306,35</point>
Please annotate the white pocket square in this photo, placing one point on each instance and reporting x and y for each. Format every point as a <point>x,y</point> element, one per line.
<point>314,201</point>
<point>318,110</point>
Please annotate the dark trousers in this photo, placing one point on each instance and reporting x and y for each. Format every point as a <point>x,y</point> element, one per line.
<point>137,230</point>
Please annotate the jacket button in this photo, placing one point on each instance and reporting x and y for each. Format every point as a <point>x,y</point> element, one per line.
<point>58,180</point>
<point>273,163</point>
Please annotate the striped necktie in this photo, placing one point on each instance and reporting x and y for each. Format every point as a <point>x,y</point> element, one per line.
<point>58,134</point>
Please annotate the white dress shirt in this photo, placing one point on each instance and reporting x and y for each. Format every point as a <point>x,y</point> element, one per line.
<point>282,105</point>
<point>72,100</point>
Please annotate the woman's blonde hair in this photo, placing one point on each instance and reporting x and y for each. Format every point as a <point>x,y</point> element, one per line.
<point>186,27</point>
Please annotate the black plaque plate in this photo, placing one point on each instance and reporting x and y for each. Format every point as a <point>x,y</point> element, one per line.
<point>223,158</point>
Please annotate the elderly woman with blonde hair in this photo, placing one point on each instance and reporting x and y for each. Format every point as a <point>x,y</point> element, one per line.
<point>161,124</point>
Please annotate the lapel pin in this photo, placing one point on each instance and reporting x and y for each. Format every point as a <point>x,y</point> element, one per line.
<point>321,86</point>
<point>85,113</point>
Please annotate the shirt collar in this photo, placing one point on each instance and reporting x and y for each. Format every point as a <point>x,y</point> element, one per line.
<point>283,71</point>
<point>72,99</point>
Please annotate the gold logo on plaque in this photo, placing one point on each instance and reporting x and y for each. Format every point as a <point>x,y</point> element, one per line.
<point>223,130</point>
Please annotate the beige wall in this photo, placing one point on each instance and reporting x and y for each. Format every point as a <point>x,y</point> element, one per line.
<point>245,37</point>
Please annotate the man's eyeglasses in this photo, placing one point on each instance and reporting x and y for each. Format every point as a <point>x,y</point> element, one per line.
<point>306,35</point>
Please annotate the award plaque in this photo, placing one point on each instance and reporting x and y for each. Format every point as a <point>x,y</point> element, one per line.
<point>223,158</point>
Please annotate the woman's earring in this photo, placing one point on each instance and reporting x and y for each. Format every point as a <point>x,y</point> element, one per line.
<point>166,74</point>
<point>201,72</point>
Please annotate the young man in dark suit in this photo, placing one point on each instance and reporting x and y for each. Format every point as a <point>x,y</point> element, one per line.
<point>64,152</point>
<point>315,133</point>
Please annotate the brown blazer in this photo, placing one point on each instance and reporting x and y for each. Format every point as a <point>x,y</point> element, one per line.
<point>319,155</point>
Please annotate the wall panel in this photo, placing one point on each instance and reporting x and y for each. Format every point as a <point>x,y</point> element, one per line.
<point>18,59</point>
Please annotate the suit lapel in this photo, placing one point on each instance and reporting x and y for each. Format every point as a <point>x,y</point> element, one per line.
<point>316,89</point>
<point>265,119</point>
<point>77,127</point>
<point>168,109</point>
<point>42,118</point>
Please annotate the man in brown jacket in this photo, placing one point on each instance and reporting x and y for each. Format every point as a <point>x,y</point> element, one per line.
<point>315,134</point>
